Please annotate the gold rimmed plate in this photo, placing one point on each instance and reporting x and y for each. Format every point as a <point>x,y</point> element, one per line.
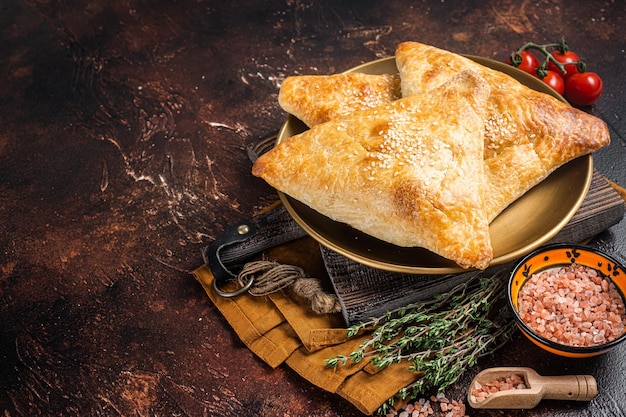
<point>529,222</point>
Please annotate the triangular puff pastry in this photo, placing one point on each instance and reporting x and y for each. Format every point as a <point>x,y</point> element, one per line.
<point>409,172</point>
<point>316,99</point>
<point>528,134</point>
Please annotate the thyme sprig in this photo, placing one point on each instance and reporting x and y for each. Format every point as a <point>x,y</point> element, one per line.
<point>438,339</point>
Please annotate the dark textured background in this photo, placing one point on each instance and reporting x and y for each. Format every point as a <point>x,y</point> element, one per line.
<point>122,133</point>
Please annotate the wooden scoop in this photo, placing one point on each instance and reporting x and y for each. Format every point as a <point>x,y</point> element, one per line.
<point>566,387</point>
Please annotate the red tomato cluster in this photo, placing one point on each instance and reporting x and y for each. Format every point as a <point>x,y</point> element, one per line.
<point>579,88</point>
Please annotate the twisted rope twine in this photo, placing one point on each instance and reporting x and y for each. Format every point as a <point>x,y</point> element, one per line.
<point>271,276</point>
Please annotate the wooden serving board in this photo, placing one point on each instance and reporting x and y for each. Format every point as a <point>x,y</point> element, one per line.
<point>366,292</point>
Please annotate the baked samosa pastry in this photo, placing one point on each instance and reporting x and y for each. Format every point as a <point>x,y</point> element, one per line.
<point>409,172</point>
<point>528,134</point>
<point>316,99</point>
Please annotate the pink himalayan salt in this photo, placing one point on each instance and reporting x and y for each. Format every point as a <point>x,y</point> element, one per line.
<point>573,305</point>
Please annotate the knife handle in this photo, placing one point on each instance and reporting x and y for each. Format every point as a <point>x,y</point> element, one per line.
<point>244,240</point>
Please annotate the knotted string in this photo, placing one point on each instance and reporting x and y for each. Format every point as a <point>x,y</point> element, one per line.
<point>271,276</point>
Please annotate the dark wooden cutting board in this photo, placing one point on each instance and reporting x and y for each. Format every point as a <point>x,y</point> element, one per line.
<point>366,292</point>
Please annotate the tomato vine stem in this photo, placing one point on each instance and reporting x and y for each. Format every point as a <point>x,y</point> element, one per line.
<point>561,46</point>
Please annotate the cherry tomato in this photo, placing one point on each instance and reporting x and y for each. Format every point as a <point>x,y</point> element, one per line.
<point>566,59</point>
<point>554,80</point>
<point>583,89</point>
<point>529,63</point>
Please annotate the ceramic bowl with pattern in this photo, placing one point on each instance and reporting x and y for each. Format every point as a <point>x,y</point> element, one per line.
<point>569,299</point>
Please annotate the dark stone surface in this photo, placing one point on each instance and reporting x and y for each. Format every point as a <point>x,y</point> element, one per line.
<point>122,135</point>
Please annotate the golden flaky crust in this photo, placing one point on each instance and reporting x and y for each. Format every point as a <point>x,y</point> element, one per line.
<point>406,172</point>
<point>316,99</point>
<point>409,172</point>
<point>528,134</point>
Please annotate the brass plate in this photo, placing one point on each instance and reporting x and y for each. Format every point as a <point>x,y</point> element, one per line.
<point>529,222</point>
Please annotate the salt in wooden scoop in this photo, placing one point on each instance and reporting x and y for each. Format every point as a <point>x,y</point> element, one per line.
<point>537,387</point>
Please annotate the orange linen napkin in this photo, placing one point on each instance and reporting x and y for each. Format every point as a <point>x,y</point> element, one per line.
<point>280,330</point>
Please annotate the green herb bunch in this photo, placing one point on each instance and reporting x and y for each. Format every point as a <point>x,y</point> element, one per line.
<point>440,338</point>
